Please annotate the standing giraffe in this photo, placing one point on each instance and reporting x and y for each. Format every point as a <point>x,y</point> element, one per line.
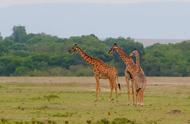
<point>130,72</point>
<point>140,77</point>
<point>100,69</point>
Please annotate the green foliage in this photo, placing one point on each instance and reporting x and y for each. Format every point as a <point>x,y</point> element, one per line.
<point>122,121</point>
<point>23,54</point>
<point>19,34</point>
<point>167,60</point>
<point>103,121</point>
<point>1,38</point>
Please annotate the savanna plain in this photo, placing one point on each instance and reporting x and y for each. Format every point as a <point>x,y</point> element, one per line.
<point>70,100</point>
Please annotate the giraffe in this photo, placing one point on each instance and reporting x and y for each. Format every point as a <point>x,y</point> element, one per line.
<point>100,69</point>
<point>130,72</point>
<point>140,77</point>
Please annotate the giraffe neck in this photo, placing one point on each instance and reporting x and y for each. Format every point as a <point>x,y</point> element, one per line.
<point>126,59</point>
<point>138,61</point>
<point>86,57</point>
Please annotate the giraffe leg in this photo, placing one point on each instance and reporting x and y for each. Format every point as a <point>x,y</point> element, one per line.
<point>138,97</point>
<point>99,90</point>
<point>134,92</point>
<point>133,95</point>
<point>112,87</point>
<point>115,86</point>
<point>141,95</point>
<point>128,87</point>
<point>142,98</point>
<point>110,98</point>
<point>97,87</point>
<point>138,91</point>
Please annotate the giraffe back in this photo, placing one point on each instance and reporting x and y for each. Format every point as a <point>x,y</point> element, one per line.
<point>104,69</point>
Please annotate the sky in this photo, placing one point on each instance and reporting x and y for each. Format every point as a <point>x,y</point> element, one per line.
<point>139,19</point>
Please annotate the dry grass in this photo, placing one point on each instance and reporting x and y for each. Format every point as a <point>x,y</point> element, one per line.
<point>88,83</point>
<point>91,80</point>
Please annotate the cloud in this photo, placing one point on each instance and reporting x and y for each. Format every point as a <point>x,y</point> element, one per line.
<point>25,2</point>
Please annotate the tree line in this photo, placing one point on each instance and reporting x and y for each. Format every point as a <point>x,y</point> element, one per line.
<point>28,54</point>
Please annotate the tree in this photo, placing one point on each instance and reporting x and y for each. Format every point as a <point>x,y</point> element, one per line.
<point>1,38</point>
<point>19,33</point>
<point>42,54</point>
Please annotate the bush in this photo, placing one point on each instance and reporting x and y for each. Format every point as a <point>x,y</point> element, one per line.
<point>122,121</point>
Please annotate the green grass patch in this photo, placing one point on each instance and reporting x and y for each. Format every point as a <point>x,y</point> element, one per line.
<point>60,104</point>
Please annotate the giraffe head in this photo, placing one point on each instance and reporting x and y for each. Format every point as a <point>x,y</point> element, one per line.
<point>135,52</point>
<point>113,48</point>
<point>73,49</point>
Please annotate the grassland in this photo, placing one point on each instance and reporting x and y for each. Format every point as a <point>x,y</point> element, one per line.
<point>70,100</point>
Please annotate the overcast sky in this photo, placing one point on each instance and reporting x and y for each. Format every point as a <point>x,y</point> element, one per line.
<point>157,19</point>
<point>24,2</point>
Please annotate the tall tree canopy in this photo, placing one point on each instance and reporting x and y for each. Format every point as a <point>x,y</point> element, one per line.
<point>43,55</point>
<point>19,33</point>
